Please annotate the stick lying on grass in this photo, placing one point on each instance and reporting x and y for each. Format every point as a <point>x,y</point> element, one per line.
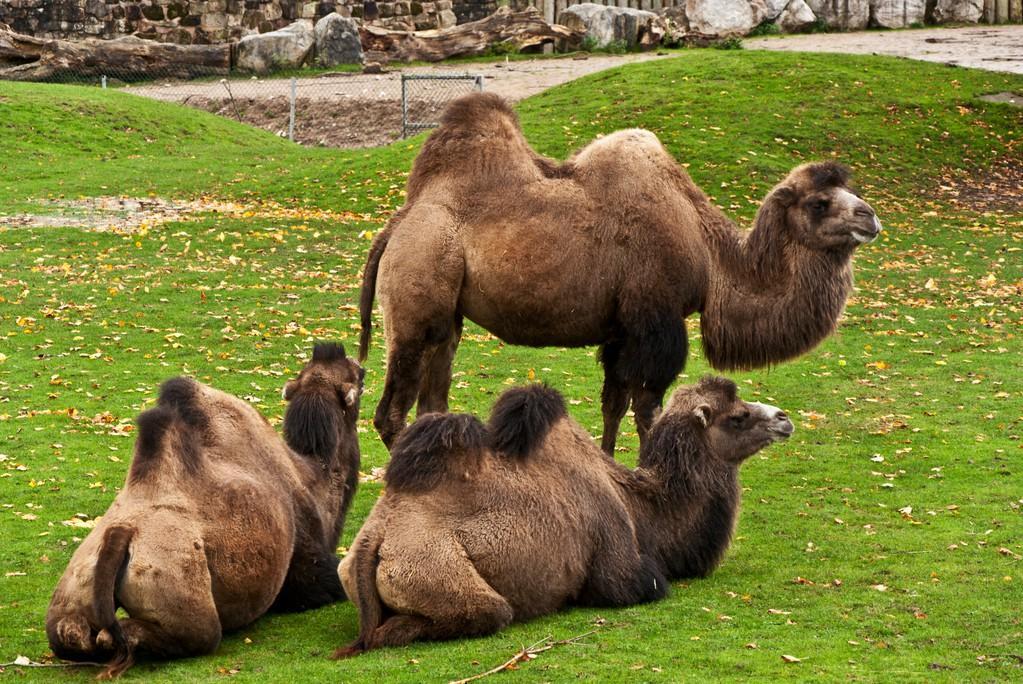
<point>526,654</point>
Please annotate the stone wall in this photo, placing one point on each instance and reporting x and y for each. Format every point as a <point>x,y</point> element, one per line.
<point>207,21</point>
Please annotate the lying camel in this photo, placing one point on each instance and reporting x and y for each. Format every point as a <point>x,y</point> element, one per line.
<point>615,247</point>
<point>480,525</point>
<point>219,520</point>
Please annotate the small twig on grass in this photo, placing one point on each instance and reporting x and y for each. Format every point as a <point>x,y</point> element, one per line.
<point>22,661</point>
<point>526,654</point>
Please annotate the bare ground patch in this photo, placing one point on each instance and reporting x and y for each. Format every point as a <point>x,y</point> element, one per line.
<point>129,215</point>
<point>997,188</point>
<point>337,123</point>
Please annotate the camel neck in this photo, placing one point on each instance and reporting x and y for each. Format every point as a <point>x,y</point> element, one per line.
<point>685,531</point>
<point>769,299</point>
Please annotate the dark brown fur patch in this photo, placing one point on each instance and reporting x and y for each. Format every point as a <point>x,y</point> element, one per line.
<point>828,175</point>
<point>311,424</point>
<point>328,352</point>
<point>180,394</point>
<point>522,417</point>
<point>176,409</point>
<point>422,455</point>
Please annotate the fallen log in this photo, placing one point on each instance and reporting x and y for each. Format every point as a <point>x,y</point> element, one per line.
<point>504,28</point>
<point>26,58</point>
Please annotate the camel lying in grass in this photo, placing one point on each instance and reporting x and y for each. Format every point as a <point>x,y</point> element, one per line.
<point>615,247</point>
<point>219,520</point>
<point>480,525</point>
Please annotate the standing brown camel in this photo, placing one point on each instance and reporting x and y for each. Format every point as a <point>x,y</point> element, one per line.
<point>613,248</point>
<point>218,521</point>
<point>482,525</point>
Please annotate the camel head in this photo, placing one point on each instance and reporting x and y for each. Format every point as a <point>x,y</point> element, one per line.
<point>322,400</point>
<point>821,211</point>
<point>730,429</point>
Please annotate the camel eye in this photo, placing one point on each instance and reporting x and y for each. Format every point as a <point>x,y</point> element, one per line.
<point>820,206</point>
<point>738,419</point>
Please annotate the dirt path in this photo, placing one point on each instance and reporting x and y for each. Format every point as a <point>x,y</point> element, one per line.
<point>995,48</point>
<point>514,80</point>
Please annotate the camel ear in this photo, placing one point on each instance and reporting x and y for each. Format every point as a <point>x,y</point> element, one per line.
<point>351,394</point>
<point>289,388</point>
<point>702,414</point>
<point>784,196</point>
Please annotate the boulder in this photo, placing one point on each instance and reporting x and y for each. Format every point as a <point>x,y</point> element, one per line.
<point>337,41</point>
<point>897,13</point>
<point>605,25</point>
<point>721,17</point>
<point>767,10</point>
<point>958,11</point>
<point>844,15</point>
<point>286,48</point>
<point>676,24</point>
<point>797,16</point>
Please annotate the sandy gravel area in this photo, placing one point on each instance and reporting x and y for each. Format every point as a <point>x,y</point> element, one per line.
<point>995,48</point>
<point>514,80</point>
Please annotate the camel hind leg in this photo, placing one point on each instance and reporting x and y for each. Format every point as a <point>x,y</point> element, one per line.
<point>172,610</point>
<point>435,592</point>
<point>419,283</point>
<point>647,362</point>
<point>436,385</point>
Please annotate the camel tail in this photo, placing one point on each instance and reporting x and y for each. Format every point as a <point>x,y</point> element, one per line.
<point>111,559</point>
<point>366,597</point>
<point>369,288</point>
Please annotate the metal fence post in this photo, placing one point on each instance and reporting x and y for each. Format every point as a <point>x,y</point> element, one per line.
<point>404,107</point>
<point>291,115</point>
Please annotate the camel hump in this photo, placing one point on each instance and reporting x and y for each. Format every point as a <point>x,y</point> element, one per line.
<point>476,109</point>
<point>522,417</point>
<point>177,411</point>
<point>433,449</point>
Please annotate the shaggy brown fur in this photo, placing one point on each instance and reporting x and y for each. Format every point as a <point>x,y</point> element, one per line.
<point>493,536</point>
<point>219,520</point>
<point>613,248</point>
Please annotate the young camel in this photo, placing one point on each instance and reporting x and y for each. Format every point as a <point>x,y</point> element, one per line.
<point>219,520</point>
<point>480,525</point>
<point>613,248</point>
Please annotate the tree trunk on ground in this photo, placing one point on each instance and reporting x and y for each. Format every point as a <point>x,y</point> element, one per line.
<point>518,30</point>
<point>26,58</point>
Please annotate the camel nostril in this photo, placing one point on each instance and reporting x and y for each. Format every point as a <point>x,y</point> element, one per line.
<point>781,415</point>
<point>864,211</point>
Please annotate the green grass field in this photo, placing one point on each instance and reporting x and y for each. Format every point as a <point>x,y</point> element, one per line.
<point>882,542</point>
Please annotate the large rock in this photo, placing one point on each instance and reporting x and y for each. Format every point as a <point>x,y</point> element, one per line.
<point>958,11</point>
<point>337,41</point>
<point>721,17</point>
<point>606,25</point>
<point>844,15</point>
<point>676,24</point>
<point>287,48</point>
<point>796,17</point>
<point>897,13</point>
<point>767,10</point>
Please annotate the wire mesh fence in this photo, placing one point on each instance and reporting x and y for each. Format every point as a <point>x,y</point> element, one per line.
<point>332,109</point>
<point>423,98</point>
